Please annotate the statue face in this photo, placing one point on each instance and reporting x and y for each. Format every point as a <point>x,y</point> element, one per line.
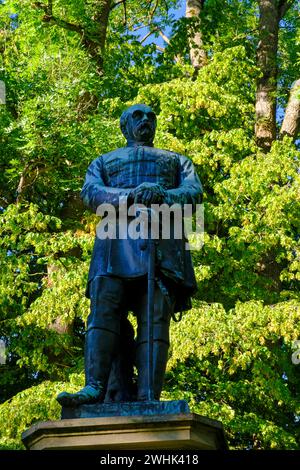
<point>143,124</point>
<point>138,124</point>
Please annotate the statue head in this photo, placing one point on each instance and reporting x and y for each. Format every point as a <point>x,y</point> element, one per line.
<point>138,124</point>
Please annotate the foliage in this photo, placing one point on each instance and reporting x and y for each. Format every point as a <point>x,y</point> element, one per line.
<point>239,370</point>
<point>30,406</point>
<point>231,354</point>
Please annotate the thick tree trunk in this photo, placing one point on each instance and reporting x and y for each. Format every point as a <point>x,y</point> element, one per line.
<point>102,8</point>
<point>265,128</point>
<point>270,14</point>
<point>96,39</point>
<point>197,53</point>
<point>291,122</point>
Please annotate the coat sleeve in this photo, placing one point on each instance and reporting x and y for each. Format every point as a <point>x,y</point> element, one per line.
<point>95,192</point>
<point>189,190</point>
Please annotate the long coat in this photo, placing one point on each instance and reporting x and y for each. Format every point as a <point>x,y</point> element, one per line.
<point>109,180</point>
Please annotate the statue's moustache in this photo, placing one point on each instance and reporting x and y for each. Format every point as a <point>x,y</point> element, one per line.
<point>144,125</point>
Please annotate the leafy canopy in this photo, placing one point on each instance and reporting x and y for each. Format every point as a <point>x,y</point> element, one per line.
<point>231,354</point>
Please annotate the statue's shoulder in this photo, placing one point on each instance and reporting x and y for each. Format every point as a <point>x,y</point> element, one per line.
<point>119,152</point>
<point>105,157</point>
<point>170,159</point>
<point>165,153</point>
<point>169,155</point>
<point>178,156</point>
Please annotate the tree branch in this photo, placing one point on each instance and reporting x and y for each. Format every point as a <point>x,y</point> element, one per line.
<point>152,31</point>
<point>122,2</point>
<point>50,7</point>
<point>114,5</point>
<point>152,12</point>
<point>125,13</point>
<point>142,26</point>
<point>165,38</point>
<point>93,41</point>
<point>64,24</point>
<point>50,18</point>
<point>47,8</point>
<point>284,6</point>
<point>148,35</point>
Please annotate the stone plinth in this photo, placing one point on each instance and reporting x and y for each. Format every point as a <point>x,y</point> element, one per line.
<point>138,408</point>
<point>152,432</point>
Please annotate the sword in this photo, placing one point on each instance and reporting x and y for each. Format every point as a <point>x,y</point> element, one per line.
<point>150,303</point>
<point>150,315</point>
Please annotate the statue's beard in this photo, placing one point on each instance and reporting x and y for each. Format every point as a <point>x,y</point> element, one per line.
<point>143,132</point>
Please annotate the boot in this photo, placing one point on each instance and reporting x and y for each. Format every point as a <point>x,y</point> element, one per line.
<point>121,386</point>
<point>99,350</point>
<point>160,358</point>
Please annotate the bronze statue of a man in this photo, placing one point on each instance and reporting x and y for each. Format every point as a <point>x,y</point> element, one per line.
<point>117,284</point>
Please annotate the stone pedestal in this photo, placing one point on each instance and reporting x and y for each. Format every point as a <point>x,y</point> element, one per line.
<point>150,431</point>
<point>132,408</point>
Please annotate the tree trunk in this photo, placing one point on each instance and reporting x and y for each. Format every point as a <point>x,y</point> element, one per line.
<point>291,122</point>
<point>270,14</point>
<point>100,19</point>
<point>265,128</point>
<point>95,40</point>
<point>197,53</point>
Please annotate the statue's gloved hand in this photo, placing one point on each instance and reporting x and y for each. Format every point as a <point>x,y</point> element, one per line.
<point>149,193</point>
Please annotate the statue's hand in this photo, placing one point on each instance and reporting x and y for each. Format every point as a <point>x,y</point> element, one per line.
<point>149,193</point>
